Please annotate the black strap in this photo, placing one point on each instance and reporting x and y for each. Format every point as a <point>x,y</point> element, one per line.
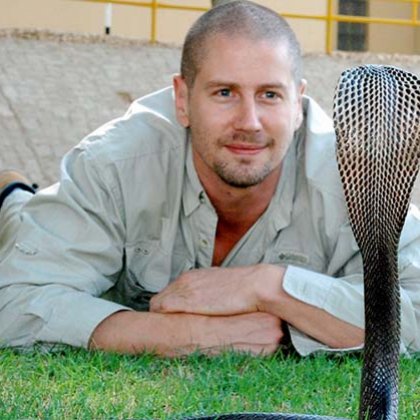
<point>13,186</point>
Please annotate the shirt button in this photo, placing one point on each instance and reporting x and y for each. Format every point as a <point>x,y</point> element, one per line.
<point>140,250</point>
<point>26,249</point>
<point>201,197</point>
<point>204,243</point>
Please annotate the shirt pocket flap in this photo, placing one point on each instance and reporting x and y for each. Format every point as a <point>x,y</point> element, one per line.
<point>148,265</point>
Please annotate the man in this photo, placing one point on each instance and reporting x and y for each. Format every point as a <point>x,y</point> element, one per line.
<point>220,199</point>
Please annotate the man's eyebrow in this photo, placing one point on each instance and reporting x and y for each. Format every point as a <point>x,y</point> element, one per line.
<point>225,83</point>
<point>277,86</point>
<point>219,83</point>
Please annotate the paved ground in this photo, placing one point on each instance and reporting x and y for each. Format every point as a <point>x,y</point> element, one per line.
<point>56,88</point>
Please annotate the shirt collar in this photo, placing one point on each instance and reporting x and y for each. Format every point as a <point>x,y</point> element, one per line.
<point>193,194</point>
<point>281,206</point>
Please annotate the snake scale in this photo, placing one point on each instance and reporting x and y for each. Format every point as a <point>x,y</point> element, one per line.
<point>377,124</point>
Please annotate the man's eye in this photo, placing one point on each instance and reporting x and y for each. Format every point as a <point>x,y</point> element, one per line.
<point>271,95</point>
<point>224,92</point>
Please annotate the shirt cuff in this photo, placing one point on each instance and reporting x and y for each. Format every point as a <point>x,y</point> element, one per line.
<point>72,318</point>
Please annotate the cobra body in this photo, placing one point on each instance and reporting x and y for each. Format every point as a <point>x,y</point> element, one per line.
<point>377,121</point>
<point>377,124</point>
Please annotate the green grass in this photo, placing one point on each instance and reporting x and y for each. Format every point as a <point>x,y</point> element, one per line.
<point>75,384</point>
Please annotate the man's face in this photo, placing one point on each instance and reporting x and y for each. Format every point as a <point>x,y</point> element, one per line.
<point>242,110</point>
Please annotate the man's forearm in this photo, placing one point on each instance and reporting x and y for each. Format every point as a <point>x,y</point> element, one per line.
<point>136,332</point>
<point>179,334</point>
<point>229,291</point>
<point>309,319</point>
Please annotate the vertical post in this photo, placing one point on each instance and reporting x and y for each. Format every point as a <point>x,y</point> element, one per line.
<point>153,24</point>
<point>329,28</point>
<point>108,18</point>
<point>414,10</point>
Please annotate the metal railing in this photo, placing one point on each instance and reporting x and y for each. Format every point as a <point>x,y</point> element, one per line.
<point>329,18</point>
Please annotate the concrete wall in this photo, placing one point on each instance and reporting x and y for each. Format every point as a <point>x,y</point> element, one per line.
<point>130,21</point>
<point>134,22</point>
<point>72,16</point>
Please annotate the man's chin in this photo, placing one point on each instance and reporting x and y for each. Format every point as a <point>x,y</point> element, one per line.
<point>241,184</point>
<point>242,181</point>
<point>246,173</point>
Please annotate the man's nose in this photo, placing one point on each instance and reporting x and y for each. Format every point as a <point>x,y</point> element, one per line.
<point>248,116</point>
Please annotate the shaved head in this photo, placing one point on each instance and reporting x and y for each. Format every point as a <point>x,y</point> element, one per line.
<point>237,19</point>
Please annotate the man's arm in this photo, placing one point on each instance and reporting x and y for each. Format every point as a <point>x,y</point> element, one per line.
<point>228,291</point>
<point>179,334</point>
<point>327,307</point>
<point>307,318</point>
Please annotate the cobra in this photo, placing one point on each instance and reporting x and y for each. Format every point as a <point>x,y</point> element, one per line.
<point>377,124</point>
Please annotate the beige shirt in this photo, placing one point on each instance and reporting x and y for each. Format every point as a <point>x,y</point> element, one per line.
<point>129,215</point>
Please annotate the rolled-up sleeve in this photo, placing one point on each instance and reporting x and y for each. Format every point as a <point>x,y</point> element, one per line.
<point>342,296</point>
<point>68,252</point>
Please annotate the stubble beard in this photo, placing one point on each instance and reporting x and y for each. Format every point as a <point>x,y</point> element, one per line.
<point>241,176</point>
<point>236,172</point>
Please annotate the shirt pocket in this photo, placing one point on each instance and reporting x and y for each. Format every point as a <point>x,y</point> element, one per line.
<point>297,258</point>
<point>148,266</point>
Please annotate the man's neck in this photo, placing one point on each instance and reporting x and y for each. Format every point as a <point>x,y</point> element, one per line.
<point>239,208</point>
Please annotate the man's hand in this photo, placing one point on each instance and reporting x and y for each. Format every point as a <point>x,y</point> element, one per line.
<point>180,334</point>
<point>219,291</point>
<point>239,290</point>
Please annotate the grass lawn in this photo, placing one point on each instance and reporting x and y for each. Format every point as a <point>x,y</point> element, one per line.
<point>75,384</point>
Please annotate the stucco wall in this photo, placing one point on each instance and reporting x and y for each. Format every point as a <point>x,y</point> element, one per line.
<point>130,21</point>
<point>134,22</point>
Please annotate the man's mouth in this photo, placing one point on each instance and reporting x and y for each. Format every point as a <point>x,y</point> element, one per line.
<point>245,148</point>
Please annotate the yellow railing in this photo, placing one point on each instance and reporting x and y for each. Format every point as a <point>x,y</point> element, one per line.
<point>329,17</point>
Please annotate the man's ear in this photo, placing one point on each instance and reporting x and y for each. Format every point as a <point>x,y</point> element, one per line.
<point>300,92</point>
<point>181,100</point>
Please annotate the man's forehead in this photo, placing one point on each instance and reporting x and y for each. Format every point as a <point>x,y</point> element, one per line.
<point>245,58</point>
<point>234,51</point>
<point>212,41</point>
